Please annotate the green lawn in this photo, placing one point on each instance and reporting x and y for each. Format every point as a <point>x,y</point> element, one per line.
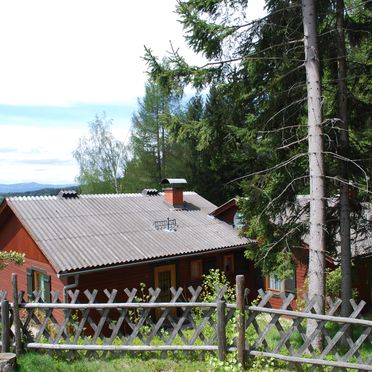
<point>44,363</point>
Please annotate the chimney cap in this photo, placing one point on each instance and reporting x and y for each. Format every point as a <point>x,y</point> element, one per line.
<point>173,181</point>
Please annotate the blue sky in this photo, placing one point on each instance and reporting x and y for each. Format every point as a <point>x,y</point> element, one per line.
<point>62,63</point>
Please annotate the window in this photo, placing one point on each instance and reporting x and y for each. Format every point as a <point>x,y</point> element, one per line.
<point>274,283</point>
<point>38,280</point>
<point>196,269</point>
<point>287,285</point>
<point>228,263</point>
<point>238,220</point>
<point>210,263</point>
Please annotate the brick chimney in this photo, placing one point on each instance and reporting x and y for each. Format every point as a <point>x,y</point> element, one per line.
<point>173,191</point>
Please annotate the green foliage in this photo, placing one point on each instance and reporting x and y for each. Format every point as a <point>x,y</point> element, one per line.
<point>253,125</point>
<point>230,364</point>
<point>333,283</point>
<point>153,154</point>
<point>7,257</point>
<point>263,364</point>
<point>212,282</point>
<point>101,158</point>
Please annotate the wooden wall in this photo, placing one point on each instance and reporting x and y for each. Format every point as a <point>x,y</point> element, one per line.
<point>133,276</point>
<point>14,237</point>
<point>362,279</point>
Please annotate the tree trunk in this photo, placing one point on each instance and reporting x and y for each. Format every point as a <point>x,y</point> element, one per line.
<point>158,144</point>
<point>344,146</point>
<point>316,165</point>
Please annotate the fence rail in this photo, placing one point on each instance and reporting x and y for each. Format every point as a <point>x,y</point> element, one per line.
<point>95,329</point>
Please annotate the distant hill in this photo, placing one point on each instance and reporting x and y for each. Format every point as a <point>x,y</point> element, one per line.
<point>31,186</point>
<point>51,190</point>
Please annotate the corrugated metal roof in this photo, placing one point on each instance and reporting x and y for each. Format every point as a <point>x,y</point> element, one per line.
<point>100,230</point>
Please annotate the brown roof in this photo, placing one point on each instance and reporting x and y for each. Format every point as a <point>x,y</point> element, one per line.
<point>100,230</point>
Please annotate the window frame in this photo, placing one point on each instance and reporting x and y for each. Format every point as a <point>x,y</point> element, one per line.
<point>284,286</point>
<point>232,258</point>
<point>199,269</point>
<point>33,274</point>
<point>270,277</point>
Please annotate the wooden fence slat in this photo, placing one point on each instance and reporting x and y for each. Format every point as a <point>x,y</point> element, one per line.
<point>16,320</point>
<point>240,320</point>
<point>136,330</point>
<point>122,315</point>
<point>5,327</point>
<point>296,326</point>
<point>358,343</point>
<point>186,311</point>
<point>63,328</point>
<point>221,330</point>
<point>272,322</point>
<point>341,332</point>
<point>163,317</point>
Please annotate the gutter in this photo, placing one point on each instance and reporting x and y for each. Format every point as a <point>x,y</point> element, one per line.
<point>70,286</point>
<point>99,269</point>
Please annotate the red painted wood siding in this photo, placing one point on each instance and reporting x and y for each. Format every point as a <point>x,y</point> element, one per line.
<point>362,279</point>
<point>14,237</point>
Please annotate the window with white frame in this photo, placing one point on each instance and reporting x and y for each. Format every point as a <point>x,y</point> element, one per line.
<point>281,285</point>
<point>274,283</point>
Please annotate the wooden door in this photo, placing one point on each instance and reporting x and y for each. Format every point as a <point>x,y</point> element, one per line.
<point>165,278</point>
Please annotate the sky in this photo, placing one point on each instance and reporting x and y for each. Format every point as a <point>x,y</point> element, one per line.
<point>63,62</point>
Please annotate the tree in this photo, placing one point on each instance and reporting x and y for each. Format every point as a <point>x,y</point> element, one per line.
<point>153,154</point>
<point>317,220</point>
<point>7,257</point>
<point>102,159</point>
<point>346,284</point>
<point>258,66</point>
<point>260,63</point>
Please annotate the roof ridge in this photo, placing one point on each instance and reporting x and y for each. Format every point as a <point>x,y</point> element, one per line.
<point>87,196</point>
<point>129,194</point>
<point>31,197</point>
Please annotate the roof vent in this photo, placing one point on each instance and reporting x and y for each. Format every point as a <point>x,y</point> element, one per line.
<point>68,194</point>
<point>150,192</point>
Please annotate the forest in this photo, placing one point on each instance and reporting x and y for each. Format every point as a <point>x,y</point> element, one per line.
<point>281,109</point>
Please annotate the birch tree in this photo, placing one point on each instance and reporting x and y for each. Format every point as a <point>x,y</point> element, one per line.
<point>101,158</point>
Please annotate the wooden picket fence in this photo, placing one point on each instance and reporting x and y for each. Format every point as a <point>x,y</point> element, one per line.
<point>83,326</point>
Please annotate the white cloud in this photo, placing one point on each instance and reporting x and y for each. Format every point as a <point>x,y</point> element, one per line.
<point>83,51</point>
<point>80,51</point>
<point>46,158</point>
<point>71,52</point>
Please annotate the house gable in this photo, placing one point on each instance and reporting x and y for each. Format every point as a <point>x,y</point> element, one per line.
<point>15,237</point>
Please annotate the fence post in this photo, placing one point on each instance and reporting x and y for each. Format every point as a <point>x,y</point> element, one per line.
<point>240,320</point>
<point>5,327</point>
<point>17,320</point>
<point>221,329</point>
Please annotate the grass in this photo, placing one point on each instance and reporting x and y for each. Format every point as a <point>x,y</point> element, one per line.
<point>37,362</point>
